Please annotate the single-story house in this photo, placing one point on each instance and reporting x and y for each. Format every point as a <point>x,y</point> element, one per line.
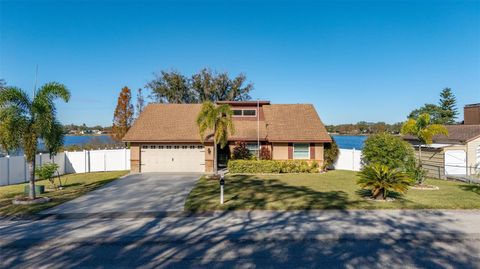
<point>457,154</point>
<point>165,137</point>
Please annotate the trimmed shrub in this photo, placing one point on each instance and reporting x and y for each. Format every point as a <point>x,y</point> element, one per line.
<point>388,150</point>
<point>330,154</point>
<point>241,152</point>
<point>271,166</point>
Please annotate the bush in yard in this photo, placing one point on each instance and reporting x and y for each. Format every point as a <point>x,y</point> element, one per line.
<point>417,173</point>
<point>241,152</point>
<point>271,166</point>
<point>330,154</point>
<point>265,153</point>
<point>47,171</point>
<point>382,179</point>
<point>388,150</point>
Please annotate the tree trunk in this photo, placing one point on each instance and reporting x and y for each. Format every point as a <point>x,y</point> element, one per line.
<point>31,171</point>
<point>215,169</point>
<point>420,155</point>
<point>379,194</point>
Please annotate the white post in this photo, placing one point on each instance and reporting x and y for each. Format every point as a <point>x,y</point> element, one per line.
<point>104,160</point>
<point>8,170</point>
<point>221,194</point>
<point>86,161</point>
<point>25,176</point>
<point>125,159</point>
<point>353,159</point>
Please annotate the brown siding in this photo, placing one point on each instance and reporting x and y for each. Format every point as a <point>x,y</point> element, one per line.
<point>280,151</point>
<point>312,151</point>
<point>471,114</point>
<point>290,151</point>
<point>433,160</point>
<point>135,157</point>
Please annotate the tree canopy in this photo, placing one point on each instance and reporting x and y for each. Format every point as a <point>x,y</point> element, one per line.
<point>206,85</point>
<point>444,113</point>
<point>448,106</point>
<point>123,115</point>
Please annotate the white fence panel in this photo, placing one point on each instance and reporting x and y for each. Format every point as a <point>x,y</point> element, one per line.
<point>349,159</point>
<point>97,161</point>
<point>14,170</point>
<point>116,160</point>
<point>76,162</point>
<point>17,170</point>
<point>4,171</point>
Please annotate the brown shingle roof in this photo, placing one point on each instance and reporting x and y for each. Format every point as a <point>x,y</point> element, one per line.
<point>456,134</point>
<point>294,122</point>
<point>177,123</point>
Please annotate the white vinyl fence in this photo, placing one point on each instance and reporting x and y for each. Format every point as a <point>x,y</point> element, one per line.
<point>14,170</point>
<point>349,159</point>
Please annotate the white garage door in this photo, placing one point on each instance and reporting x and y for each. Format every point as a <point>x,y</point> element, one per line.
<point>455,162</point>
<point>172,158</point>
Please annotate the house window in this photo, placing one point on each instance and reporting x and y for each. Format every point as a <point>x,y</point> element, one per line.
<point>249,112</point>
<point>301,151</point>
<point>253,148</point>
<point>244,112</point>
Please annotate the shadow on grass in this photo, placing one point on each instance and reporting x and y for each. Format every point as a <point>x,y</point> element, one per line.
<point>475,188</point>
<point>248,192</point>
<point>365,193</point>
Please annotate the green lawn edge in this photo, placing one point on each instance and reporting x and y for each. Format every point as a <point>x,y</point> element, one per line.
<point>331,190</point>
<point>76,185</point>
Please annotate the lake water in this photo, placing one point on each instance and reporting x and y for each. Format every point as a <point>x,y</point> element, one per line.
<point>86,139</point>
<point>350,141</point>
<point>343,141</point>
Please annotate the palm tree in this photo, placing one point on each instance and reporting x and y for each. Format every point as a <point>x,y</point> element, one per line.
<point>23,120</point>
<point>381,179</point>
<point>218,119</point>
<point>424,130</point>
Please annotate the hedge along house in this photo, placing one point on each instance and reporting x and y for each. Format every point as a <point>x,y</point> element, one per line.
<point>165,137</point>
<point>456,155</point>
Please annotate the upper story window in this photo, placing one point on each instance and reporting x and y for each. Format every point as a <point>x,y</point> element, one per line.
<point>244,112</point>
<point>301,151</point>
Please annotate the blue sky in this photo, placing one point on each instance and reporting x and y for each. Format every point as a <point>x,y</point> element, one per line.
<point>354,60</point>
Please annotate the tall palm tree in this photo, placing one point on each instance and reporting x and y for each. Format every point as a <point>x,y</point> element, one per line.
<point>23,120</point>
<point>218,119</point>
<point>423,129</point>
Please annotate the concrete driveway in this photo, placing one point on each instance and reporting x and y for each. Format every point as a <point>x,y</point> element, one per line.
<point>148,192</point>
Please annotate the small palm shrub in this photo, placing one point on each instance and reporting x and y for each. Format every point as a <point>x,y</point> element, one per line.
<point>330,154</point>
<point>382,179</point>
<point>418,174</point>
<point>241,152</point>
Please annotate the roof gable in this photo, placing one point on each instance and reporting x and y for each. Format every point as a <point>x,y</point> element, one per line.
<point>177,123</point>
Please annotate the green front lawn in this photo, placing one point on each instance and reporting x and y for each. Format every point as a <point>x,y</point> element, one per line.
<point>76,185</point>
<point>331,190</point>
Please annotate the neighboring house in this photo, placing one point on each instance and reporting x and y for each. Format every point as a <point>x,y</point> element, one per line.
<point>165,137</point>
<point>457,154</point>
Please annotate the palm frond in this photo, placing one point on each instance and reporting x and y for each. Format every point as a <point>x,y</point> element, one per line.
<point>409,127</point>
<point>12,96</point>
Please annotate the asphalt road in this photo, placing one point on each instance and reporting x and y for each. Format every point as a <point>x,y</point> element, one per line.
<point>258,239</point>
